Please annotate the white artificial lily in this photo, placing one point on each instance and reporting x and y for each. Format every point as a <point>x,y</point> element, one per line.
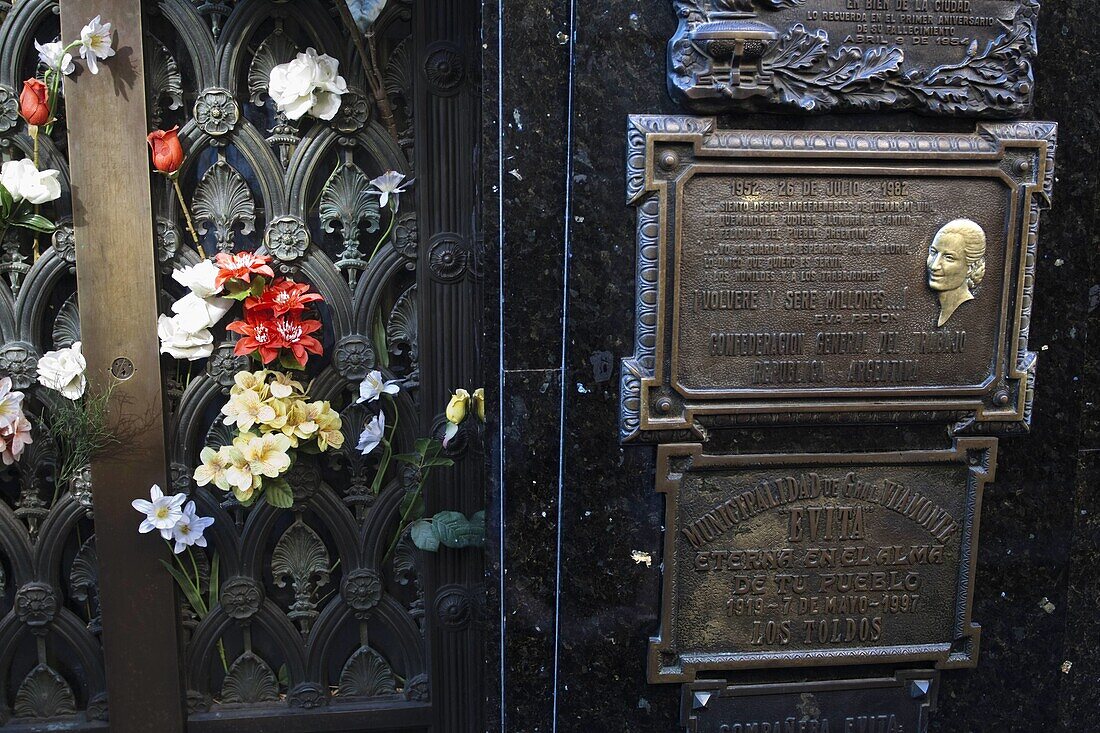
<point>307,84</point>
<point>372,387</point>
<point>197,313</point>
<point>25,182</point>
<point>188,530</point>
<point>179,343</point>
<point>161,513</point>
<point>63,371</point>
<point>11,404</point>
<point>55,57</point>
<point>387,184</point>
<point>372,435</point>
<point>199,279</point>
<point>95,43</point>
<point>365,12</point>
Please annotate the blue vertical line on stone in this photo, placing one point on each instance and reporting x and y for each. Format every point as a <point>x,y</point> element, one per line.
<point>500,346</point>
<point>568,233</point>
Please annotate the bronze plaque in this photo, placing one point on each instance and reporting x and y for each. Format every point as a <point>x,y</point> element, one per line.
<point>784,560</point>
<point>898,704</point>
<point>836,275</point>
<point>955,57</point>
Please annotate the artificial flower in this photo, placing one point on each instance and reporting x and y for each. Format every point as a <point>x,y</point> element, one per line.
<point>280,297</point>
<point>95,43</point>
<point>307,84</point>
<point>25,182</point>
<point>247,408</point>
<point>280,408</point>
<point>373,434</point>
<point>55,57</point>
<point>188,530</point>
<point>11,404</point>
<point>214,468</point>
<point>166,150</point>
<point>299,424</point>
<point>34,102</point>
<point>255,381</point>
<point>259,338</point>
<point>387,184</point>
<point>365,12</point>
<point>479,403</point>
<point>241,266</point>
<point>330,428</point>
<point>180,343</point>
<point>200,279</point>
<point>295,336</point>
<point>283,386</point>
<point>372,387</point>
<point>63,371</point>
<point>266,455</point>
<point>456,408</point>
<point>161,513</point>
<point>15,438</point>
<point>197,313</point>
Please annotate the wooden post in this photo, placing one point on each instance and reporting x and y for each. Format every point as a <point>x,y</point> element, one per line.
<point>117,286</point>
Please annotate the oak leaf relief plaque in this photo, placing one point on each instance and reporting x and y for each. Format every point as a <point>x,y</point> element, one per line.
<point>953,57</point>
<point>832,276</point>
<point>823,559</point>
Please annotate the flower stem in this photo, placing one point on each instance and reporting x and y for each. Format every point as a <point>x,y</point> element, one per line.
<point>187,215</point>
<point>389,230</point>
<point>387,449</point>
<point>403,523</point>
<point>33,130</point>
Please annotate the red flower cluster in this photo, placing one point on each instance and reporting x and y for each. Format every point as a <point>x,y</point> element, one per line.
<point>241,267</point>
<point>274,326</point>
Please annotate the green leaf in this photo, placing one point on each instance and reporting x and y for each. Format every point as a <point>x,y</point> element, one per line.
<point>433,462</point>
<point>278,493</point>
<point>423,535</point>
<point>412,505</point>
<point>35,222</point>
<point>185,584</point>
<point>237,290</point>
<point>421,445</point>
<point>454,530</point>
<point>258,284</point>
<point>7,202</point>
<point>215,569</point>
<point>382,353</point>
<point>412,458</point>
<point>284,676</point>
<point>287,361</point>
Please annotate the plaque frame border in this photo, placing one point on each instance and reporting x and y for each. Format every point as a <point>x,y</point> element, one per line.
<point>901,678</point>
<point>652,410</point>
<point>961,652</point>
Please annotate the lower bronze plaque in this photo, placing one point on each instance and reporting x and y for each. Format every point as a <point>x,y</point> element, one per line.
<point>833,275</point>
<point>781,560</point>
<point>899,704</point>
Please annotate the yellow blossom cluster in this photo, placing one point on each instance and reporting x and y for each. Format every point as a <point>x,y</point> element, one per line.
<point>273,415</point>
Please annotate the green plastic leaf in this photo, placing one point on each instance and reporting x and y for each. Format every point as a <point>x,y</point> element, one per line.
<point>421,445</point>
<point>278,493</point>
<point>454,530</point>
<point>287,361</point>
<point>7,202</point>
<point>382,353</point>
<point>423,535</point>
<point>433,462</point>
<point>412,458</point>
<point>257,287</point>
<point>185,585</point>
<point>215,569</point>
<point>412,505</point>
<point>237,290</point>
<point>35,222</point>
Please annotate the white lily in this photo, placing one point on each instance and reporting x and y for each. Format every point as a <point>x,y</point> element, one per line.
<point>95,43</point>
<point>365,12</point>
<point>55,57</point>
<point>188,530</point>
<point>372,387</point>
<point>387,184</point>
<point>161,513</point>
<point>372,435</point>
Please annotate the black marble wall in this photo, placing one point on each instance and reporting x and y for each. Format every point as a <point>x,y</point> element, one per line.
<point>571,607</point>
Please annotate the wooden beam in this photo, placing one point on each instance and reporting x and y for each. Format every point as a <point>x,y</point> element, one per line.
<point>117,288</point>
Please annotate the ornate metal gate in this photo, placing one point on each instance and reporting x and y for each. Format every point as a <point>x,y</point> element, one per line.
<point>327,617</point>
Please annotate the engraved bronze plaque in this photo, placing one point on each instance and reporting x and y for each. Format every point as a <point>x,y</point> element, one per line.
<point>954,57</point>
<point>898,704</point>
<point>786,560</point>
<point>839,276</point>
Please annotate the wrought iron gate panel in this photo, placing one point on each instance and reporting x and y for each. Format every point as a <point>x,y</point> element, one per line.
<point>51,659</point>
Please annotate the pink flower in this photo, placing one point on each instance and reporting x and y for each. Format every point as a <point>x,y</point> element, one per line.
<point>16,437</point>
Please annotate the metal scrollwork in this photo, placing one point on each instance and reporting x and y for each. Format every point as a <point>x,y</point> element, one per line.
<point>224,200</point>
<point>444,68</point>
<point>241,597</point>
<point>448,256</point>
<point>9,109</point>
<point>36,605</point>
<point>301,557</point>
<point>19,361</point>
<point>287,238</point>
<point>354,357</point>
<point>346,202</point>
<point>216,111</point>
<point>362,589</point>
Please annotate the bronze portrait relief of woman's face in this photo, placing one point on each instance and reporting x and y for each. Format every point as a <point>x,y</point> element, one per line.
<point>956,265</point>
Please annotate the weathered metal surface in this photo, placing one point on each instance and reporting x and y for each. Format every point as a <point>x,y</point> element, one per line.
<point>788,276</point>
<point>955,57</point>
<point>787,560</point>
<point>898,704</point>
<point>117,268</point>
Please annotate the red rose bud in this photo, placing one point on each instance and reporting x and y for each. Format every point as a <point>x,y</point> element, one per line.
<point>167,151</point>
<point>34,102</point>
